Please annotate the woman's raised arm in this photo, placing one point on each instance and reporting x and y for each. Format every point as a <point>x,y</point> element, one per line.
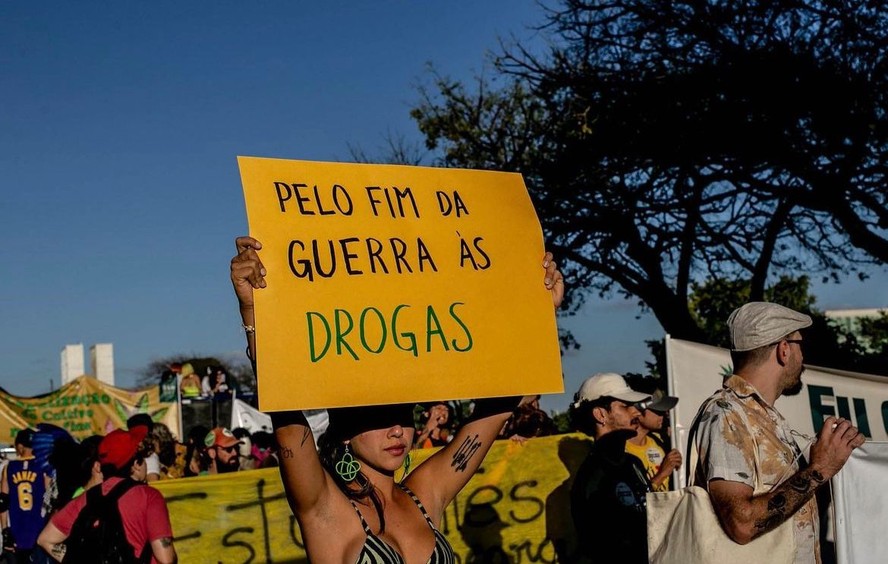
<point>305,480</point>
<point>440,478</point>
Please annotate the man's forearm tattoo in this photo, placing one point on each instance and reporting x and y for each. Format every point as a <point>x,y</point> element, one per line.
<point>465,452</point>
<point>58,551</point>
<point>166,542</point>
<point>286,452</point>
<point>306,434</point>
<point>788,498</point>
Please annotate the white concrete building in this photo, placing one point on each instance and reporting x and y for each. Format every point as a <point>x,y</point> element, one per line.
<point>101,362</point>
<point>72,362</point>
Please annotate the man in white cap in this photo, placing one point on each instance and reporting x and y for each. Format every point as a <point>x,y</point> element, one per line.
<point>648,445</point>
<point>749,461</point>
<point>608,493</point>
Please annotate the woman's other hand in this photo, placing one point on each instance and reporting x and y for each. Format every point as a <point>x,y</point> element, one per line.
<point>553,280</point>
<point>247,272</point>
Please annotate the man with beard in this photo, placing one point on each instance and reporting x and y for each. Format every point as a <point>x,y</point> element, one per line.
<point>608,494</point>
<point>222,449</point>
<point>742,440</point>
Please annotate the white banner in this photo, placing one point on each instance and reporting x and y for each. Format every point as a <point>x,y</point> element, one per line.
<point>245,416</point>
<point>695,371</point>
<point>251,419</point>
<point>859,500</point>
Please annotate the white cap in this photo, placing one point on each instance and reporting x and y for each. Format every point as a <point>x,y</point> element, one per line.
<point>607,384</point>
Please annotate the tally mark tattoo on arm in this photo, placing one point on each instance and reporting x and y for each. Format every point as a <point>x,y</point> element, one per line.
<point>166,542</point>
<point>465,452</point>
<point>306,433</point>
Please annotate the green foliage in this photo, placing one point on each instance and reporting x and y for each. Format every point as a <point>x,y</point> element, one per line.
<point>875,333</point>
<point>562,421</point>
<point>827,343</point>
<point>666,143</point>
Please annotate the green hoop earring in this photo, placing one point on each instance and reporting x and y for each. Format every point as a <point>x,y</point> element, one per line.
<point>347,467</point>
<point>407,462</point>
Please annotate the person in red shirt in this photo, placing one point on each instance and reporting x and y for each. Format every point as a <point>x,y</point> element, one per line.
<point>146,520</point>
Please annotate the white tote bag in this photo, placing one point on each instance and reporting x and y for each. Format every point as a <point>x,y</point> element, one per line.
<point>684,529</point>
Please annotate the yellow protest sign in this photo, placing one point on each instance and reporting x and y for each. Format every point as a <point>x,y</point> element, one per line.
<point>397,284</point>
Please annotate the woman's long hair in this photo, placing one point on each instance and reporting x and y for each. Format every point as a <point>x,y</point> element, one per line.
<point>167,442</point>
<point>330,451</point>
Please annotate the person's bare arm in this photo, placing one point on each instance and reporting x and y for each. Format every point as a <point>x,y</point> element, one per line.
<point>304,479</point>
<point>4,489</point>
<point>671,463</point>
<point>441,477</point>
<point>247,274</point>
<point>164,551</point>
<point>437,480</point>
<point>745,516</point>
<point>52,540</point>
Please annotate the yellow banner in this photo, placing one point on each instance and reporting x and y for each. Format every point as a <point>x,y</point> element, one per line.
<point>395,284</point>
<point>516,508</point>
<point>84,407</point>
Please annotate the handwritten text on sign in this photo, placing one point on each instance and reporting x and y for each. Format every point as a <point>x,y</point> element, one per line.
<point>392,283</point>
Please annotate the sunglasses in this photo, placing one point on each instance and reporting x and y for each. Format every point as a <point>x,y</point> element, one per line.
<point>229,449</point>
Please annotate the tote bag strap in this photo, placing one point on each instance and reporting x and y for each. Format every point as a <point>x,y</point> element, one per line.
<point>694,454</point>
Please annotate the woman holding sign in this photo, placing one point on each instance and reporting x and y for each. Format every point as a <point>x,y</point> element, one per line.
<point>343,494</point>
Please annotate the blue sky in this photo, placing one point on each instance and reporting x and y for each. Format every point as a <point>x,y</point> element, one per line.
<point>120,124</point>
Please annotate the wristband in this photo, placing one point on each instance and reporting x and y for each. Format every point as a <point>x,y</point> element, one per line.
<point>494,406</point>
<point>284,418</point>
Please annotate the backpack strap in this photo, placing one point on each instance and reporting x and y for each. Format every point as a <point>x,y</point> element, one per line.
<point>95,497</point>
<point>121,488</point>
<point>112,498</point>
<point>658,440</point>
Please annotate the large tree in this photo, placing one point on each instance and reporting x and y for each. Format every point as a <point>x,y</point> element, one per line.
<point>670,142</point>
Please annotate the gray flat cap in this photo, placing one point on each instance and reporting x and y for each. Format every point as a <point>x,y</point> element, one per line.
<point>757,324</point>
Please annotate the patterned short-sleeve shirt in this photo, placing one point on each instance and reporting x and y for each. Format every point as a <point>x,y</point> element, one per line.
<point>743,439</point>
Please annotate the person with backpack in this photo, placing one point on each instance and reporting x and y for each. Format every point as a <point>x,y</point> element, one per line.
<point>121,521</point>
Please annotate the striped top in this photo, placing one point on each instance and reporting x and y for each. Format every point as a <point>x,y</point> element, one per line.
<point>377,551</point>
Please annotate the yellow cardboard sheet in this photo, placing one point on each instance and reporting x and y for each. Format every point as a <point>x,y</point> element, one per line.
<point>395,284</point>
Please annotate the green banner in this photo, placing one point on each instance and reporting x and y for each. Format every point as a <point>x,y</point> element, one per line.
<point>84,407</point>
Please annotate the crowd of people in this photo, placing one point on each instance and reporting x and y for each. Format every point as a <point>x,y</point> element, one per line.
<point>341,487</point>
<point>742,441</point>
<point>46,485</point>
<point>214,384</point>
<point>757,476</point>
